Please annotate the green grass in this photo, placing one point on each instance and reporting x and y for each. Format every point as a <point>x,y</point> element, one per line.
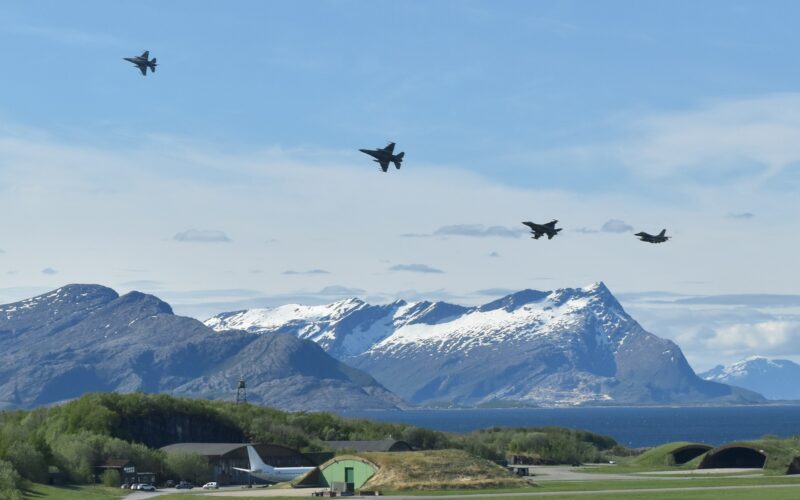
<point>555,486</point>
<point>744,494</point>
<point>93,492</point>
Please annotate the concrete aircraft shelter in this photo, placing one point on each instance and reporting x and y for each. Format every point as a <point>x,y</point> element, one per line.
<point>734,456</point>
<point>351,470</point>
<point>687,453</point>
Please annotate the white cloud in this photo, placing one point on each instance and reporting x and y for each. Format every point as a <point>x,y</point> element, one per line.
<point>616,226</point>
<point>49,271</point>
<point>202,236</point>
<point>310,272</point>
<point>416,268</point>
<point>757,134</point>
<point>773,337</point>
<point>479,231</point>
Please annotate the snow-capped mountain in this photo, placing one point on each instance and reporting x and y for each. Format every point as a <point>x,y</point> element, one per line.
<point>567,346</point>
<point>774,378</point>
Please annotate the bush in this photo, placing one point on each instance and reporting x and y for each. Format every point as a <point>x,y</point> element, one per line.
<point>111,477</point>
<point>188,467</point>
<point>9,482</point>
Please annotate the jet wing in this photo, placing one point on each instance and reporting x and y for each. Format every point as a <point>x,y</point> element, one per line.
<point>552,223</point>
<point>384,164</point>
<point>143,69</point>
<point>389,148</point>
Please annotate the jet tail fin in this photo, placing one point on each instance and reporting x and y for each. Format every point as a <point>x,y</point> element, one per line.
<point>663,232</point>
<point>255,461</point>
<point>398,160</point>
<point>152,65</point>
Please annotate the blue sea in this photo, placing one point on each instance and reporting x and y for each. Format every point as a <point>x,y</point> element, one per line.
<point>633,427</point>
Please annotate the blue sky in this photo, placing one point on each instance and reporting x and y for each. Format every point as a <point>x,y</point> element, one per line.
<point>231,176</point>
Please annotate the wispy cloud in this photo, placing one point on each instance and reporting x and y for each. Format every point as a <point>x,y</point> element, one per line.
<point>741,216</point>
<point>49,271</point>
<point>337,290</point>
<point>616,226</point>
<point>479,231</point>
<point>202,236</point>
<point>149,284</point>
<point>309,272</point>
<point>416,268</point>
<point>495,292</point>
<point>494,255</point>
<point>62,35</point>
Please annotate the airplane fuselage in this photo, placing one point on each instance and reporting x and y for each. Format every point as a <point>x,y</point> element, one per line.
<point>280,474</point>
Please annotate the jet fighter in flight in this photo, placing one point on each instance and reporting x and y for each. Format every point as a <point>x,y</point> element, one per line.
<point>143,63</point>
<point>384,156</point>
<point>539,230</point>
<point>649,238</point>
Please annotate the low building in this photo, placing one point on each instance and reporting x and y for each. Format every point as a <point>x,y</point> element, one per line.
<point>127,471</point>
<point>223,457</point>
<point>364,446</point>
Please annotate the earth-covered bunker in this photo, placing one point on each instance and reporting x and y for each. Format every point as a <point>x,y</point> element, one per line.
<point>794,467</point>
<point>687,453</point>
<point>734,457</point>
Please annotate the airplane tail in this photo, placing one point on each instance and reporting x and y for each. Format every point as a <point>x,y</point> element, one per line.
<point>663,232</point>
<point>398,160</point>
<point>152,65</point>
<point>255,461</point>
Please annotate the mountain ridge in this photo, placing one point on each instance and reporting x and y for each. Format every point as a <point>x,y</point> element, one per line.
<point>775,378</point>
<point>85,338</point>
<point>566,346</point>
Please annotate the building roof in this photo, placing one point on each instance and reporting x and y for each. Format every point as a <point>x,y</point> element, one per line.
<point>205,449</point>
<point>115,463</point>
<point>384,445</point>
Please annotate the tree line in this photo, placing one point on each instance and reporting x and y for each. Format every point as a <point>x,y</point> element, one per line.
<point>72,439</point>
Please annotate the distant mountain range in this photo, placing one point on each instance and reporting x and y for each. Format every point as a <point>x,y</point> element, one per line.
<point>83,338</point>
<point>563,347</point>
<point>774,378</point>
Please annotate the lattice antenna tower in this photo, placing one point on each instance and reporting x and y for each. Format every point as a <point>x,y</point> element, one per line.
<point>241,391</point>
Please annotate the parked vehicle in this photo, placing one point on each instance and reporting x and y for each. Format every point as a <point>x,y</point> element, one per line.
<point>125,486</point>
<point>147,487</point>
<point>134,486</point>
<point>183,485</point>
<point>211,486</point>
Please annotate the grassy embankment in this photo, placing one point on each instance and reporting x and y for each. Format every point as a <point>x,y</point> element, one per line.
<point>437,470</point>
<point>86,492</point>
<point>780,453</point>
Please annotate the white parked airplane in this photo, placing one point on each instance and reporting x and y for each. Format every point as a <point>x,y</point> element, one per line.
<point>269,473</point>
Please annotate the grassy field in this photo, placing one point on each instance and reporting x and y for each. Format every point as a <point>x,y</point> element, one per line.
<point>555,486</point>
<point>73,492</point>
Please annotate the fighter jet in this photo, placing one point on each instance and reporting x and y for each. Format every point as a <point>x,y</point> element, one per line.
<point>384,156</point>
<point>539,230</point>
<point>143,63</point>
<point>649,238</point>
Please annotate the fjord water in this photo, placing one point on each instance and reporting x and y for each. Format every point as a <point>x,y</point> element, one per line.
<point>633,427</point>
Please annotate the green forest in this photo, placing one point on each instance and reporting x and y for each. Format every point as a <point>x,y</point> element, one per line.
<point>71,439</point>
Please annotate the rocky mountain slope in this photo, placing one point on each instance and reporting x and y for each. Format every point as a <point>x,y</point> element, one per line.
<point>568,346</point>
<point>83,338</point>
<point>774,378</point>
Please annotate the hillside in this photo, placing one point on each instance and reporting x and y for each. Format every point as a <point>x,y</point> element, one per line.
<point>84,338</point>
<point>563,347</point>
